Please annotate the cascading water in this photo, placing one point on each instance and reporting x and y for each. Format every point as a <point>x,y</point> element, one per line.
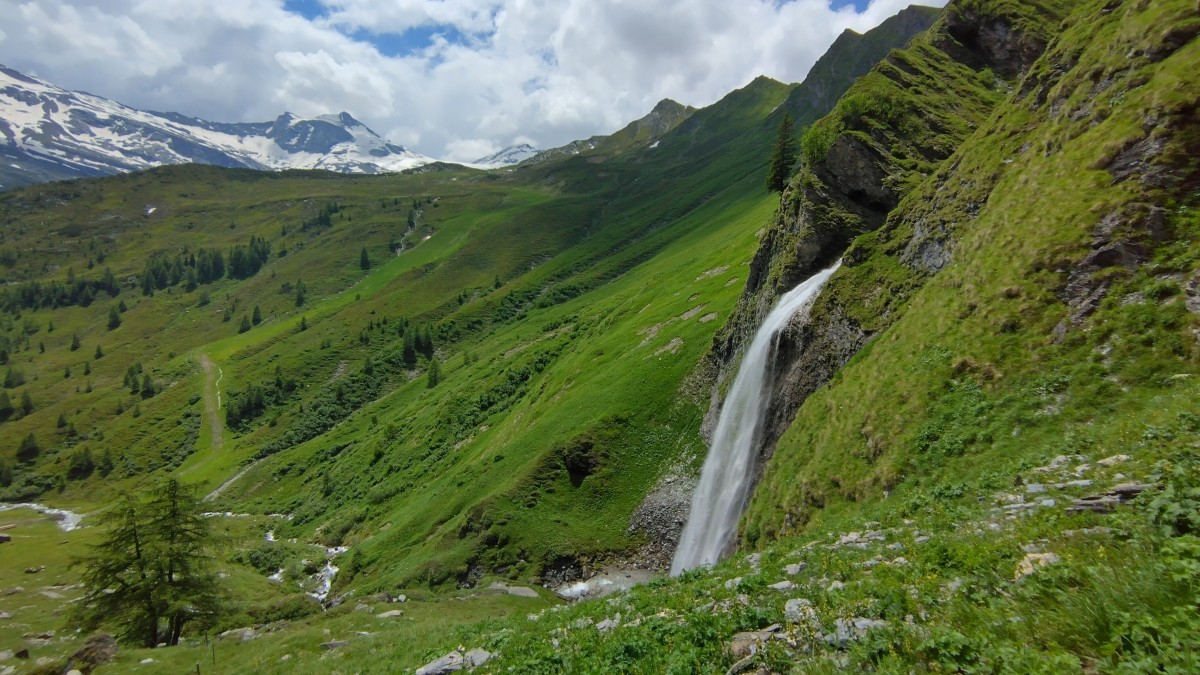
<point>725,480</point>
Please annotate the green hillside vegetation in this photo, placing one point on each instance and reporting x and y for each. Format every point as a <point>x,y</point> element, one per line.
<point>468,377</point>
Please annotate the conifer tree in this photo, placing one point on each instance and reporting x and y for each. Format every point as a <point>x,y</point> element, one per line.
<point>783,158</point>
<point>409,352</point>
<point>29,448</point>
<point>434,373</point>
<point>364,261</point>
<point>245,325</point>
<point>257,318</point>
<point>105,465</point>
<point>152,573</point>
<point>114,318</point>
<point>13,378</point>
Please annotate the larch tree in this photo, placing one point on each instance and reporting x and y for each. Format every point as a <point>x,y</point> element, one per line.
<point>151,575</point>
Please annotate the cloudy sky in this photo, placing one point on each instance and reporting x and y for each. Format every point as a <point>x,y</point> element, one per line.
<point>453,79</point>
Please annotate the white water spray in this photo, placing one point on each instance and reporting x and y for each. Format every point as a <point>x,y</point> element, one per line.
<point>725,480</point>
<point>66,520</point>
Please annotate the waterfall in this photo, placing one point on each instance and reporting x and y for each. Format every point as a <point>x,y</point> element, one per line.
<point>728,470</point>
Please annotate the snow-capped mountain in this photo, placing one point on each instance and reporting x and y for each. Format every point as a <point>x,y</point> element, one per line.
<point>507,157</point>
<point>48,133</point>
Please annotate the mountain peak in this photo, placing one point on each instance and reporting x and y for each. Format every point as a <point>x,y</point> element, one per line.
<point>667,106</point>
<point>514,154</point>
<point>57,134</point>
<point>342,119</point>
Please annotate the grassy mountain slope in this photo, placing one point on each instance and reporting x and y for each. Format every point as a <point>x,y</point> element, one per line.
<point>560,397</point>
<point>1029,321</point>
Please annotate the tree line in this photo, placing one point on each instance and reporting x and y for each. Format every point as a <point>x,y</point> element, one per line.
<point>204,266</point>
<point>54,294</point>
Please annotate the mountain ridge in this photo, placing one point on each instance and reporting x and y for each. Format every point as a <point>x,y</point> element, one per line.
<point>49,133</point>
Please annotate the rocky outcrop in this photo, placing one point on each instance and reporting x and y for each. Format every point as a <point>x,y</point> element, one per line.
<point>97,651</point>
<point>659,520</point>
<point>852,190</point>
<point>987,35</point>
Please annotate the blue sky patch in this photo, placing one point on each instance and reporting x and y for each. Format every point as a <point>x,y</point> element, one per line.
<point>858,5</point>
<point>410,41</point>
<point>309,9</point>
<point>391,44</point>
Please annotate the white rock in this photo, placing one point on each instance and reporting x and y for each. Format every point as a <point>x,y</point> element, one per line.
<point>447,664</point>
<point>800,610</point>
<point>241,634</point>
<point>794,569</point>
<point>1032,561</point>
<point>476,657</point>
<point>522,592</point>
<point>784,585</point>
<point>847,630</point>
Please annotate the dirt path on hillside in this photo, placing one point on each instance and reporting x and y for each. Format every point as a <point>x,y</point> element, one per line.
<point>233,479</point>
<point>212,398</point>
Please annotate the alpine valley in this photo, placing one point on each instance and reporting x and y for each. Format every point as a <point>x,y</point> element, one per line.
<point>445,417</point>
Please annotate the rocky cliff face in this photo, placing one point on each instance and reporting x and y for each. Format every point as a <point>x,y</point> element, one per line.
<point>889,133</point>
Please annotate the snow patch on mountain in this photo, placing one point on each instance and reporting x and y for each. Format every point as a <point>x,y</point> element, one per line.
<point>507,157</point>
<point>48,133</point>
